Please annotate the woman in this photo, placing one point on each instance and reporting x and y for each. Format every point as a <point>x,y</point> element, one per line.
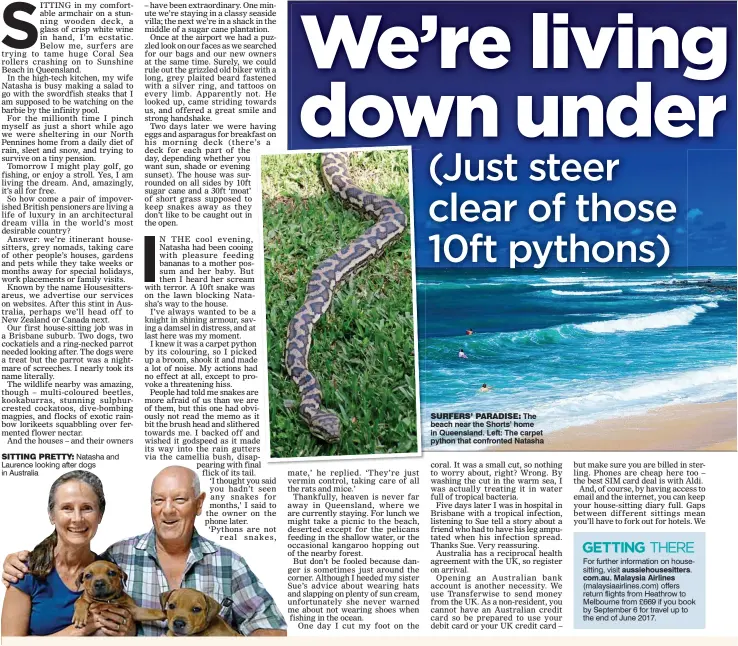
<point>42,603</point>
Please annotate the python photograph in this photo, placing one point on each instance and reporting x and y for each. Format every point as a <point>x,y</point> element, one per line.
<point>339,296</point>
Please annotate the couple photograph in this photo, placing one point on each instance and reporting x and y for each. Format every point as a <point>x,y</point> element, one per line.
<point>168,581</point>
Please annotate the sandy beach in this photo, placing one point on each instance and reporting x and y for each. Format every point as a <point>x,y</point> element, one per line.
<point>687,427</point>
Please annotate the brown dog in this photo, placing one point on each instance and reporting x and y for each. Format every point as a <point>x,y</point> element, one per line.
<point>102,582</point>
<point>191,613</point>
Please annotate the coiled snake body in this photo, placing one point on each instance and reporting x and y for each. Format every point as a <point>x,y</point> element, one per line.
<point>326,279</point>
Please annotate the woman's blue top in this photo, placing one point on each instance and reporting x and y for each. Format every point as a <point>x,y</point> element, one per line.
<point>52,603</point>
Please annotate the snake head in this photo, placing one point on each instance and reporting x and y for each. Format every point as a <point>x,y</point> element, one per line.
<point>326,426</point>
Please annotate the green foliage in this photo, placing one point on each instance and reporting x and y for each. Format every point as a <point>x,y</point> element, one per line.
<point>363,349</point>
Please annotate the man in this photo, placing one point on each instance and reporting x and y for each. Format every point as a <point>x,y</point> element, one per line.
<point>462,354</point>
<point>173,555</point>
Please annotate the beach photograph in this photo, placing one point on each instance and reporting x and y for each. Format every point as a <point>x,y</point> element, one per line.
<point>594,359</point>
<point>581,354</point>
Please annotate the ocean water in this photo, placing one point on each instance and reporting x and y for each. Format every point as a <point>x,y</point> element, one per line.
<point>575,346</point>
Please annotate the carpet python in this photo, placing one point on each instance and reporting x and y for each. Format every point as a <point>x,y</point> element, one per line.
<point>327,277</point>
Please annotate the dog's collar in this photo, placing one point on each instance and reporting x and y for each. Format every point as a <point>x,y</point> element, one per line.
<point>107,599</point>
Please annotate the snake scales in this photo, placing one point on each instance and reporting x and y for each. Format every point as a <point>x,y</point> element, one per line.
<point>327,278</point>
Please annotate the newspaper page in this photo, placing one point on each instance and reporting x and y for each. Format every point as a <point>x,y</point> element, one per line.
<point>367,319</point>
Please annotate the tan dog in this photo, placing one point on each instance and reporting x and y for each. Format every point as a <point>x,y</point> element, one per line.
<point>102,582</point>
<point>191,613</point>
